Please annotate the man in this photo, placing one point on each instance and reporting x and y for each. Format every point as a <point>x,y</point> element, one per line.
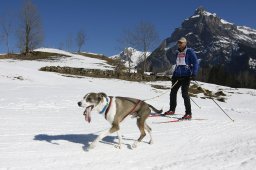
<point>185,70</point>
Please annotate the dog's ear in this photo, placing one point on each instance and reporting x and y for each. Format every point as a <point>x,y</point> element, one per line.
<point>101,96</point>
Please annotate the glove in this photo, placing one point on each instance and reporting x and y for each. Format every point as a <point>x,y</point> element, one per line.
<point>192,77</point>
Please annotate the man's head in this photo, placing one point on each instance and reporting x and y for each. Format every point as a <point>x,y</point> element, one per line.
<point>182,43</point>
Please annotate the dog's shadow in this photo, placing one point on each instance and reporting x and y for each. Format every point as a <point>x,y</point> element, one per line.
<point>83,139</point>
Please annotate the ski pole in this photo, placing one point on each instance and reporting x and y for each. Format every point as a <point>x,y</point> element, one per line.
<point>162,93</point>
<point>195,102</point>
<point>214,101</point>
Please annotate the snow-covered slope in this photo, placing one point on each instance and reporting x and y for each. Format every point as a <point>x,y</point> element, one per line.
<point>75,60</point>
<point>41,126</point>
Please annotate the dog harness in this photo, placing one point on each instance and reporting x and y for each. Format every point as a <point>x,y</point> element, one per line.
<point>132,110</point>
<point>107,107</point>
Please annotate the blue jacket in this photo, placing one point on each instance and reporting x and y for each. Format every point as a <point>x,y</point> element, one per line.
<point>191,67</point>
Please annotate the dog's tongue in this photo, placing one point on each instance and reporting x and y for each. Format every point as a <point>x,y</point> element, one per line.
<point>87,114</point>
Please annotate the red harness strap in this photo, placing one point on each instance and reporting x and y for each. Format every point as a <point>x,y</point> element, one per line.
<point>132,109</point>
<point>106,113</point>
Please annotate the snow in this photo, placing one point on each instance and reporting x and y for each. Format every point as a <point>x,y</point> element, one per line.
<point>92,53</point>
<point>75,60</point>
<point>136,56</point>
<point>41,126</point>
<point>208,13</point>
<point>245,37</point>
<point>226,22</point>
<point>170,45</point>
<point>195,16</point>
<point>223,40</point>
<point>189,33</point>
<point>246,30</point>
<point>252,63</point>
<point>53,50</point>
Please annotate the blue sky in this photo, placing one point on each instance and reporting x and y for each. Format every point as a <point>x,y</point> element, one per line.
<point>104,20</point>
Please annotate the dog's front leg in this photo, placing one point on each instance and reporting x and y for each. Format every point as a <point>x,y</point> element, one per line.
<point>113,129</point>
<point>101,136</point>
<point>119,140</point>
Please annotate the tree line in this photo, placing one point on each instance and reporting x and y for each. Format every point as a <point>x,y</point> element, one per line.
<point>221,75</point>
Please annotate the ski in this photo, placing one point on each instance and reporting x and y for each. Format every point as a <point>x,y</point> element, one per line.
<point>162,115</point>
<point>174,118</point>
<point>178,120</point>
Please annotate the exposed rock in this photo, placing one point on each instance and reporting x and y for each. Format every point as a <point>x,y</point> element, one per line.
<point>103,73</point>
<point>217,43</point>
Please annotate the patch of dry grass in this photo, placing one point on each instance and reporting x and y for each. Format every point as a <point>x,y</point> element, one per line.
<point>35,55</point>
<point>110,61</point>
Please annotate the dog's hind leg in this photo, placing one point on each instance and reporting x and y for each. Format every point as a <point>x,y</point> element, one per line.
<point>113,129</point>
<point>141,126</point>
<point>148,129</point>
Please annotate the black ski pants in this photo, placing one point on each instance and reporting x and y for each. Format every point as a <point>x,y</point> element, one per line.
<point>184,83</point>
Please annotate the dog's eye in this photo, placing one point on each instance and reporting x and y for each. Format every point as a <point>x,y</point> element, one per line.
<point>89,99</point>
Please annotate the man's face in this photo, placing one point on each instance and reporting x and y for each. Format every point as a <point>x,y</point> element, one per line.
<point>181,45</point>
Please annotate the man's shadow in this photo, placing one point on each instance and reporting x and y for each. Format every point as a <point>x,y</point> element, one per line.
<point>83,139</point>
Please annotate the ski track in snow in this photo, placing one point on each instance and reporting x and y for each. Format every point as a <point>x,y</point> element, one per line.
<point>41,126</point>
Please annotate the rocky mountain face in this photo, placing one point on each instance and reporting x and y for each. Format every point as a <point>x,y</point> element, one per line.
<point>217,43</point>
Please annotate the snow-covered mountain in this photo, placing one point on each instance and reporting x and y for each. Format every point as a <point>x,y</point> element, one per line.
<point>216,41</point>
<point>42,128</point>
<point>131,55</point>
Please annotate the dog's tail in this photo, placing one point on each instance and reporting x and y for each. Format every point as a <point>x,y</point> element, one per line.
<point>155,110</point>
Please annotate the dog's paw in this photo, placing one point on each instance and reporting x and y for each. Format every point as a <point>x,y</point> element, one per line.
<point>91,146</point>
<point>134,145</point>
<point>118,146</point>
<point>150,142</point>
<point>86,148</point>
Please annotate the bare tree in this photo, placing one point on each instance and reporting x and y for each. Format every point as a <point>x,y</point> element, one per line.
<point>128,55</point>
<point>140,59</point>
<point>61,45</point>
<point>69,42</point>
<point>143,37</point>
<point>80,40</point>
<point>6,29</point>
<point>119,67</point>
<point>30,34</point>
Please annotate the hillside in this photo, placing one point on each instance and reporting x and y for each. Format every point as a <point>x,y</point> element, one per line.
<point>42,128</point>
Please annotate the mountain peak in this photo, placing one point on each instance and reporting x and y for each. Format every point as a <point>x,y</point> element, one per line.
<point>202,11</point>
<point>216,42</point>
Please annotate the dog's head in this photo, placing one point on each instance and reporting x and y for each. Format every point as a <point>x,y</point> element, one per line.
<point>90,102</point>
